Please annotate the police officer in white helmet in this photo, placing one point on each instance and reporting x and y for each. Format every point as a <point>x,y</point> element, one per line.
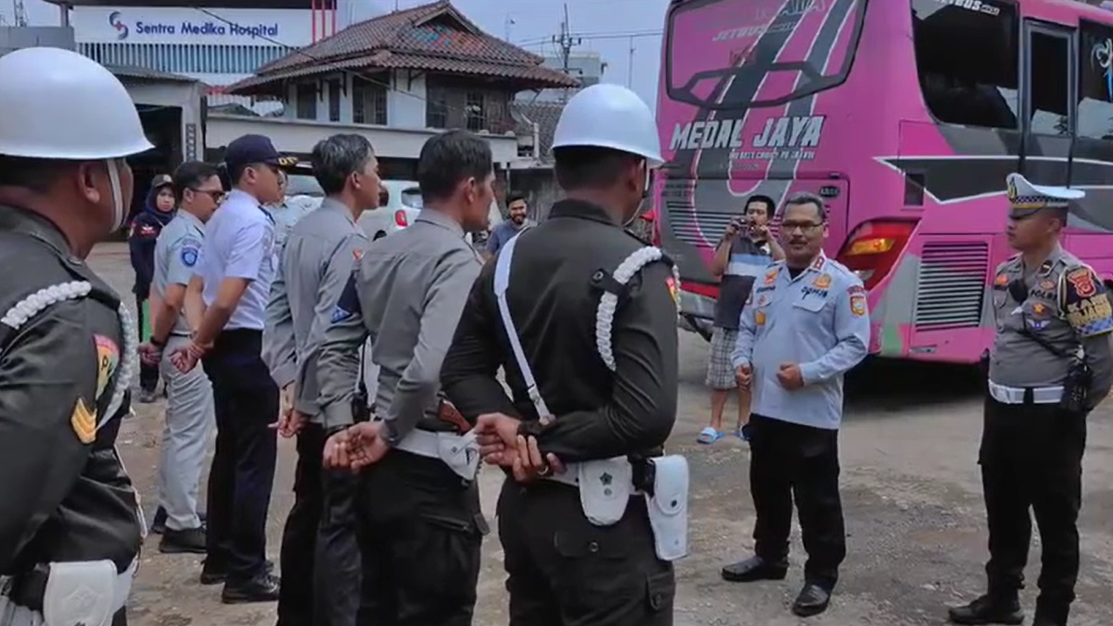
<point>582,317</point>
<point>70,525</point>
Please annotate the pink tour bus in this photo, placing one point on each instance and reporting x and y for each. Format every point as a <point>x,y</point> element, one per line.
<point>905,116</point>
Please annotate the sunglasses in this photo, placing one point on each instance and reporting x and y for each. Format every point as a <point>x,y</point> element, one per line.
<point>216,194</point>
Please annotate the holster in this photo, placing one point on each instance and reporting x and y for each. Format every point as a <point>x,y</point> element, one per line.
<point>1076,387</point>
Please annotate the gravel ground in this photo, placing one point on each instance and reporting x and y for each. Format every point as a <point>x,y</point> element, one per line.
<point>910,487</point>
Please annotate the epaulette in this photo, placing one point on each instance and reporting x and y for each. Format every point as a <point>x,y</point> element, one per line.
<point>34,304</point>
<point>608,302</point>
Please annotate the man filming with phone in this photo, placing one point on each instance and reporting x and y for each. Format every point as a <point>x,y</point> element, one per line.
<point>743,254</point>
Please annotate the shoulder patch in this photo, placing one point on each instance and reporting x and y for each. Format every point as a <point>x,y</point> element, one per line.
<point>1002,278</point>
<point>1081,282</point>
<point>84,422</point>
<point>855,289</point>
<point>108,359</point>
<point>858,304</point>
<point>1086,303</point>
<point>674,290</point>
<point>191,251</point>
<point>348,305</point>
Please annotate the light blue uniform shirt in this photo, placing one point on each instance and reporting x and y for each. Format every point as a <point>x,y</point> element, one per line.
<point>285,216</point>
<point>819,321</point>
<point>177,252</point>
<point>239,243</point>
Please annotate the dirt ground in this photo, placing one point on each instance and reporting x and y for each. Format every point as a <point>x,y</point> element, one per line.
<point>910,487</point>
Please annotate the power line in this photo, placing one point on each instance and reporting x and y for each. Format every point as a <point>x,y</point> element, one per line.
<point>595,36</point>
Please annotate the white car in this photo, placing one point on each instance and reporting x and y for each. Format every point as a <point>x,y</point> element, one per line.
<point>399,204</point>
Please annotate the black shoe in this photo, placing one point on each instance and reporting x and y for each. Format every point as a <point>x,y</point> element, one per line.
<point>147,396</point>
<point>262,588</point>
<point>988,610</point>
<point>158,523</point>
<point>212,575</point>
<point>813,600</point>
<point>753,569</point>
<point>188,541</point>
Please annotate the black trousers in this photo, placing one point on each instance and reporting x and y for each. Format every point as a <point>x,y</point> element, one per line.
<point>242,473</point>
<point>1031,458</point>
<point>421,530</point>
<point>564,571</point>
<point>790,461</point>
<point>148,374</point>
<point>320,556</point>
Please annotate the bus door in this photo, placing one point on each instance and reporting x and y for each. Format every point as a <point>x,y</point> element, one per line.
<point>1047,108</point>
<point>1091,220</point>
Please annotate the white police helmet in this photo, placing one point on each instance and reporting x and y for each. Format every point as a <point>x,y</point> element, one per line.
<point>609,116</point>
<point>58,104</point>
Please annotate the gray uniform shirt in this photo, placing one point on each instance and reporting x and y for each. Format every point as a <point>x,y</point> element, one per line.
<point>1065,304</point>
<point>316,263</point>
<point>176,253</point>
<point>406,294</point>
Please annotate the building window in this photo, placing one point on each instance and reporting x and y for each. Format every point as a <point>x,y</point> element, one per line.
<point>306,106</point>
<point>368,102</point>
<point>334,101</point>
<point>436,107</point>
<point>475,111</point>
<point>967,61</point>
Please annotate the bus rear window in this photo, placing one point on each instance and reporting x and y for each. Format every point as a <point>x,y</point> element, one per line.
<point>725,54</point>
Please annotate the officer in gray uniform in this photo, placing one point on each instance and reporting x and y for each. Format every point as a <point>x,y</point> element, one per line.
<point>419,509</point>
<point>1050,365</point>
<point>70,525</point>
<point>316,263</point>
<point>189,404</point>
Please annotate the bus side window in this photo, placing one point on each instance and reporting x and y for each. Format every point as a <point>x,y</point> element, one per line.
<point>1095,80</point>
<point>967,62</point>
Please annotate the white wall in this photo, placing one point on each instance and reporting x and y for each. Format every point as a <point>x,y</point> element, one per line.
<point>299,136</point>
<point>405,100</point>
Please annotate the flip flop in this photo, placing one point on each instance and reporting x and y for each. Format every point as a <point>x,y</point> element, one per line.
<point>708,436</point>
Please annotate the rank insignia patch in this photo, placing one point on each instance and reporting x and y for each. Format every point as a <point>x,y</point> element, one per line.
<point>84,422</point>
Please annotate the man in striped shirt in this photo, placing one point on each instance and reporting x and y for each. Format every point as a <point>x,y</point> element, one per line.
<point>743,254</point>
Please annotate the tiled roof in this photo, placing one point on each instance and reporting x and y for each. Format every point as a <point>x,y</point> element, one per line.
<point>432,37</point>
<point>128,71</point>
<point>545,115</point>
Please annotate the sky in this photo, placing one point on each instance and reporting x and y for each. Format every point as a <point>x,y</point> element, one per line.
<point>604,26</point>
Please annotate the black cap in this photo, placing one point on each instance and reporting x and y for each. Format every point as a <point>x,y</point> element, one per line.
<point>252,149</point>
<point>161,180</point>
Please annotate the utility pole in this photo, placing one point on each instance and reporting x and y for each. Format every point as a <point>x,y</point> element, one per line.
<point>566,42</point>
<point>20,13</point>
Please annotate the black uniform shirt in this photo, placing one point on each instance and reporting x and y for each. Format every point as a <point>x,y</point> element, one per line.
<point>553,300</point>
<point>66,494</point>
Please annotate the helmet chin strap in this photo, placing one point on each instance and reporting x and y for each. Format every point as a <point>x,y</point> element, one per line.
<point>645,194</point>
<point>119,210</point>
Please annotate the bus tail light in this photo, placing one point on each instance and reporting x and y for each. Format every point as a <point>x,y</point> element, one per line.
<point>874,248</point>
<point>400,219</point>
